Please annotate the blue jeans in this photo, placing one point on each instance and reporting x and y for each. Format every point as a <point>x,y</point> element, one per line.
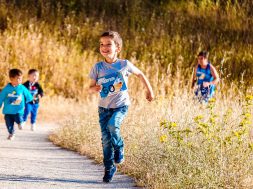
<point>33,109</point>
<point>10,119</point>
<point>110,121</point>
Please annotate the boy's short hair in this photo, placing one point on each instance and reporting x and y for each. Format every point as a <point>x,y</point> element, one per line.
<point>15,72</point>
<point>114,36</point>
<point>203,53</point>
<point>31,71</point>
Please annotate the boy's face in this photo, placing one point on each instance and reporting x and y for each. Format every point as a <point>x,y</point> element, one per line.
<point>108,48</point>
<point>16,80</point>
<point>34,77</point>
<point>202,60</point>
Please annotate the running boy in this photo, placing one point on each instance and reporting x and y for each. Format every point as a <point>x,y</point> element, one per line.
<point>14,96</point>
<point>109,78</point>
<point>206,76</point>
<point>37,92</point>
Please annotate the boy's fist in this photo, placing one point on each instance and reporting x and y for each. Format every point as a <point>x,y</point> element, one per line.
<point>97,88</point>
<point>150,96</point>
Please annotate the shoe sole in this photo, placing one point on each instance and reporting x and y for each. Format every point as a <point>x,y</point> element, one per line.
<point>107,181</point>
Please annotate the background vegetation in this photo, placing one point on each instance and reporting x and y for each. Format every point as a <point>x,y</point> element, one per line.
<point>175,143</point>
<point>60,38</point>
<point>172,142</point>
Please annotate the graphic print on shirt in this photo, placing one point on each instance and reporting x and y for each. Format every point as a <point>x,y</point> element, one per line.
<point>34,91</point>
<point>14,98</point>
<point>200,75</point>
<point>111,84</point>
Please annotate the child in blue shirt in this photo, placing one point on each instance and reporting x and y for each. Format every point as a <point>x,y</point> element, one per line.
<point>110,78</point>
<point>14,96</point>
<point>37,92</point>
<point>206,77</point>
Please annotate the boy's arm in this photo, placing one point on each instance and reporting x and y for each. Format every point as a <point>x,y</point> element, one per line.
<point>144,80</point>
<point>40,91</point>
<point>2,97</point>
<point>194,79</point>
<point>215,75</point>
<point>93,87</point>
<point>27,95</point>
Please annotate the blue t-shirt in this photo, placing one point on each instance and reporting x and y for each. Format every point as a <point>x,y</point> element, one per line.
<point>14,98</point>
<point>113,78</point>
<point>205,75</point>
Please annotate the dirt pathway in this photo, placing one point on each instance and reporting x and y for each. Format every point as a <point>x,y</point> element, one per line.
<point>31,161</point>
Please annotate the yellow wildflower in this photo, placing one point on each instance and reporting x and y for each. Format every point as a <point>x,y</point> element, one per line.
<point>163,138</point>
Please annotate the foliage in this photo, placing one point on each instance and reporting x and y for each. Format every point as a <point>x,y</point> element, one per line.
<point>162,36</point>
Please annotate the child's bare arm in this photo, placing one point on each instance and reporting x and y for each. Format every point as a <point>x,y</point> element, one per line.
<point>144,80</point>
<point>93,87</point>
<point>194,78</point>
<point>215,75</point>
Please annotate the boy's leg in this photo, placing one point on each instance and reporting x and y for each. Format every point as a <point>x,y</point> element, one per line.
<point>18,118</point>
<point>34,112</point>
<point>9,121</point>
<point>27,111</point>
<point>114,128</point>
<point>104,116</point>
<point>110,168</point>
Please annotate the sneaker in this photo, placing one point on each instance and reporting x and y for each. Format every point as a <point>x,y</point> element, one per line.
<point>109,174</point>
<point>119,156</point>
<point>33,127</point>
<point>21,125</point>
<point>11,137</point>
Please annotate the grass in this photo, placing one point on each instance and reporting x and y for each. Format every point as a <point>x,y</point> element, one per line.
<point>60,39</point>
<point>160,153</point>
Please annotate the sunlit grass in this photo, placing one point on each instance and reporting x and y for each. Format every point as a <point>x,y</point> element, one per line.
<point>163,41</point>
<point>162,156</point>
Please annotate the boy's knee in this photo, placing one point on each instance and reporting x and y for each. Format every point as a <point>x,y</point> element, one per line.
<point>106,142</point>
<point>113,129</point>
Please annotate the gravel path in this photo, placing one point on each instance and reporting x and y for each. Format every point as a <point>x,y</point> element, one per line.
<point>31,161</point>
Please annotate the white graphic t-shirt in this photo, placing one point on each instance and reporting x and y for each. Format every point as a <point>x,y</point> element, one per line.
<point>113,78</point>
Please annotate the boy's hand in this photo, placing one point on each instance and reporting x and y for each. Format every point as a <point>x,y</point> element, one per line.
<point>150,96</point>
<point>97,88</point>
<point>206,84</point>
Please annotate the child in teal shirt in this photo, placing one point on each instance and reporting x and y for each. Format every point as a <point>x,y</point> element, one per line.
<point>14,96</point>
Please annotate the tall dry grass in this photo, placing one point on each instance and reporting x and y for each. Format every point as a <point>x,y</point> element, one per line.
<point>60,38</point>
<point>175,142</point>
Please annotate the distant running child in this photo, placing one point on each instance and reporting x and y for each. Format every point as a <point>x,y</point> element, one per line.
<point>37,92</point>
<point>14,96</point>
<point>109,78</point>
<point>206,77</point>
